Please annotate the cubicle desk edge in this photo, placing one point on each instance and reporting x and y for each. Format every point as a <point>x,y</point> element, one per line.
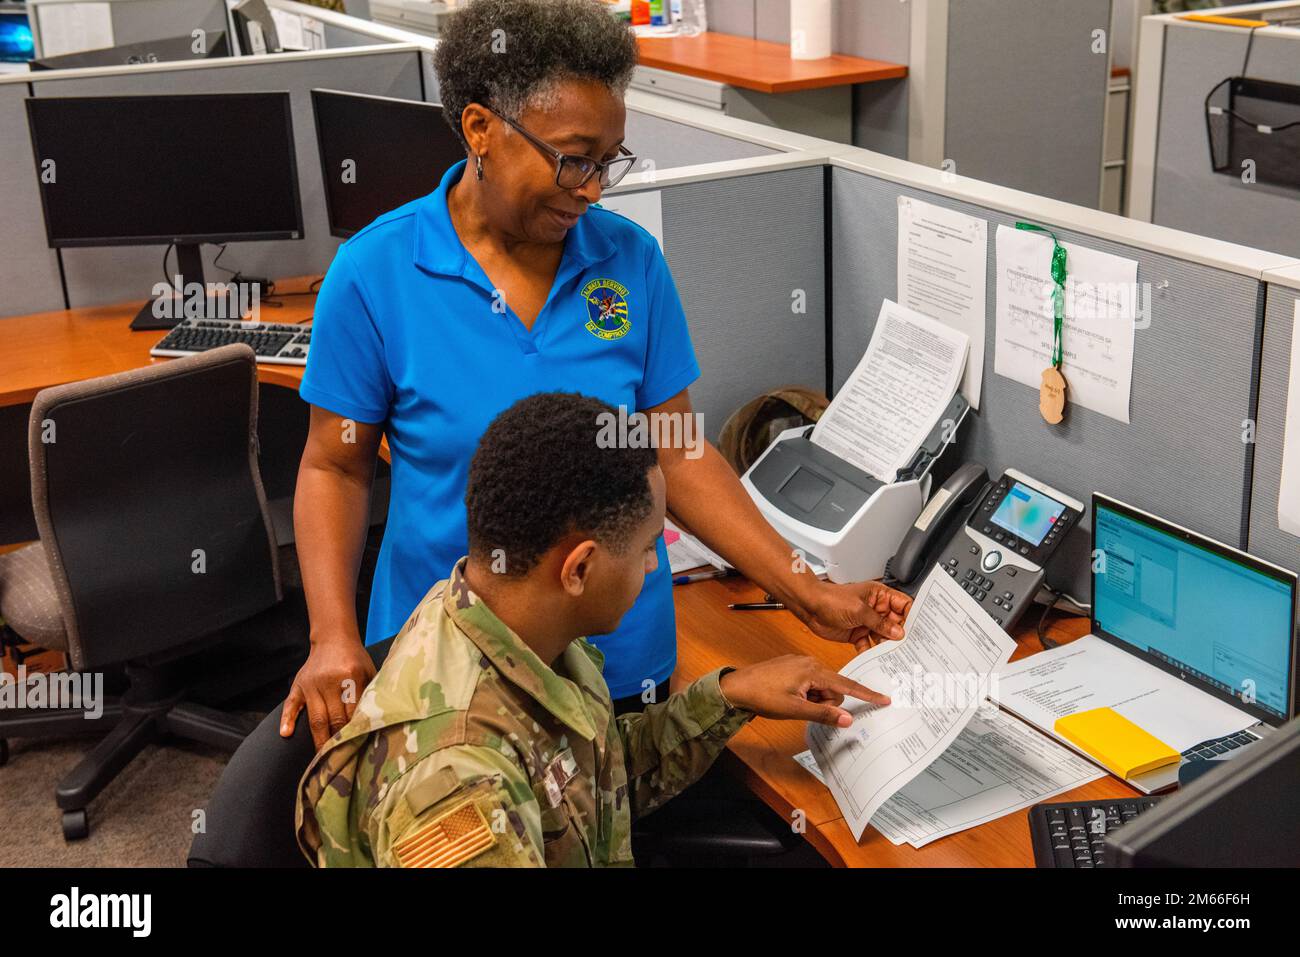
<point>709,636</point>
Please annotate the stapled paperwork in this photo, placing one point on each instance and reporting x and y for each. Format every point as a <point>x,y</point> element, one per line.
<point>937,677</point>
<point>998,765</point>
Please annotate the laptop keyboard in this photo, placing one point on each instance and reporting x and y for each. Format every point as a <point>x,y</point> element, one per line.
<point>1217,747</point>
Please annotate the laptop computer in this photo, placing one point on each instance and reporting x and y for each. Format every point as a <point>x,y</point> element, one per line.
<point>1211,615</point>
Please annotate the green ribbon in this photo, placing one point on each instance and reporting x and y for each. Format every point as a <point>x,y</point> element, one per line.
<point>1058,294</point>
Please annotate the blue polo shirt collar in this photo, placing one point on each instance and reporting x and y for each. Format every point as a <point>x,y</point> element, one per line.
<point>439,250</point>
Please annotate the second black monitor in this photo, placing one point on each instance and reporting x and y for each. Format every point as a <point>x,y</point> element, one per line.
<point>378,153</point>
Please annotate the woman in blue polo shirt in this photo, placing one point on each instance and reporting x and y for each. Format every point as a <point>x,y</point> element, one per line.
<point>503,282</point>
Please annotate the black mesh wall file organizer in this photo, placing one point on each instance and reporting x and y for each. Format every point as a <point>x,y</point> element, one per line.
<point>1256,121</point>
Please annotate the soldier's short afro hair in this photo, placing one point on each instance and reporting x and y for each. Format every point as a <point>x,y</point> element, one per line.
<point>540,474</point>
<point>509,54</point>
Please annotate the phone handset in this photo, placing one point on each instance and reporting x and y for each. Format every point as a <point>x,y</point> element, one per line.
<point>935,525</point>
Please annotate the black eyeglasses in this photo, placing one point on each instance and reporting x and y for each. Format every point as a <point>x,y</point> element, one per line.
<point>573,171</point>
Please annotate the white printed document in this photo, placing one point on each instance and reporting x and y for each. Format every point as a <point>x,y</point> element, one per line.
<point>943,273</point>
<point>1101,311</point>
<point>907,377</point>
<point>1091,673</point>
<point>998,765</point>
<point>937,677</point>
<point>1288,493</point>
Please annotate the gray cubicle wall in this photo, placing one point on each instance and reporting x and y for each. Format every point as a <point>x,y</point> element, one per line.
<point>1267,540</point>
<point>29,269</point>
<point>117,273</point>
<point>135,21</point>
<point>669,145</point>
<point>1188,194</point>
<point>1182,455</point>
<point>1027,95</point>
<point>738,293</point>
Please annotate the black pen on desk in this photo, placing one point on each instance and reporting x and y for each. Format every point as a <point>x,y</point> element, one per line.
<point>757,606</point>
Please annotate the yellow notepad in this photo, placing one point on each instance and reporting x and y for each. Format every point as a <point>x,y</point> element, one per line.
<point>1115,741</point>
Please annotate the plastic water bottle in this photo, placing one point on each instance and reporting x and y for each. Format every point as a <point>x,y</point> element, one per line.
<point>695,18</point>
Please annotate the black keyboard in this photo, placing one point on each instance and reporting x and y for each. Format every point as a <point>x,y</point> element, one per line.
<point>274,342</point>
<point>1073,834</point>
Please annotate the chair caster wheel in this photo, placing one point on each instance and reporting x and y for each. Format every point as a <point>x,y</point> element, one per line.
<point>75,826</point>
<point>4,752</point>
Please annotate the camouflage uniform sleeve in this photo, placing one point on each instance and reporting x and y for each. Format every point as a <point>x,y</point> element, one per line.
<point>671,744</point>
<point>463,806</point>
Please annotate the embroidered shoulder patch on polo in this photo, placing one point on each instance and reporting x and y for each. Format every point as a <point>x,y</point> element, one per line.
<point>449,840</point>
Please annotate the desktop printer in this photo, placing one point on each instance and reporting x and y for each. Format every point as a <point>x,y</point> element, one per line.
<point>836,513</point>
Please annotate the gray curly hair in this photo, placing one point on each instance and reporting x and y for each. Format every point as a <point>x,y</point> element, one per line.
<point>510,54</point>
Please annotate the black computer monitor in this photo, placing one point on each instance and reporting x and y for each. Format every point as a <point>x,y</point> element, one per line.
<point>16,44</point>
<point>378,153</point>
<point>1243,813</point>
<point>164,50</point>
<point>255,28</point>
<point>179,169</point>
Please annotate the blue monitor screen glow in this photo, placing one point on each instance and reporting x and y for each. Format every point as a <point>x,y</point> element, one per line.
<point>1197,608</point>
<point>15,38</point>
<point>1027,513</point>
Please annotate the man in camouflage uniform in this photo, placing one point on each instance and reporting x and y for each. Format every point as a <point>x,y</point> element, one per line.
<point>475,745</point>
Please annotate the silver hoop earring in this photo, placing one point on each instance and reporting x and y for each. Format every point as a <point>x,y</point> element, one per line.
<point>478,166</point>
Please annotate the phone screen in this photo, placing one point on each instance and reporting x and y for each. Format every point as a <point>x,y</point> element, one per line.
<point>1027,513</point>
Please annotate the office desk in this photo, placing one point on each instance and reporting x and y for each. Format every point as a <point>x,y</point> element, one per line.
<point>760,82</point>
<point>45,349</point>
<point>709,635</point>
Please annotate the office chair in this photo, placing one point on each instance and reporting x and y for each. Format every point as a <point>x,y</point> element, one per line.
<point>155,543</point>
<point>249,819</point>
<point>250,815</point>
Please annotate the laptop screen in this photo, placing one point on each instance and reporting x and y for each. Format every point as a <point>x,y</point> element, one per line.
<point>1201,610</point>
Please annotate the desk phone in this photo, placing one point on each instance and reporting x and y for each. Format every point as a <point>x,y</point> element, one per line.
<point>1009,529</point>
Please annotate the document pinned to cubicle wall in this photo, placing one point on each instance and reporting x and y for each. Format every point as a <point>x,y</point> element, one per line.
<point>888,406</point>
<point>74,27</point>
<point>942,273</point>
<point>1288,493</point>
<point>951,641</point>
<point>1101,313</point>
<point>646,209</point>
<point>998,765</point>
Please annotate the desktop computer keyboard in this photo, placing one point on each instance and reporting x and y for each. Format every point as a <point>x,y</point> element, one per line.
<point>1073,834</point>
<point>274,342</point>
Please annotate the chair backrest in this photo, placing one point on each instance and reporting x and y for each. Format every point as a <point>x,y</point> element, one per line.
<point>249,819</point>
<point>148,499</point>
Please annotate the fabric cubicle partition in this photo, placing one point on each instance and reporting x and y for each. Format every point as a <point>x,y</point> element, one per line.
<point>1181,456</point>
<point>136,21</point>
<point>756,307</point>
<point>1267,540</point>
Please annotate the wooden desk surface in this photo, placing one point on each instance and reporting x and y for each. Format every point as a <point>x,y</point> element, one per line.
<point>759,65</point>
<point>67,345</point>
<point>709,635</point>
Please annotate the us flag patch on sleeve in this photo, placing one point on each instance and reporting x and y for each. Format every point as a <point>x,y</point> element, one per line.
<point>449,840</point>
